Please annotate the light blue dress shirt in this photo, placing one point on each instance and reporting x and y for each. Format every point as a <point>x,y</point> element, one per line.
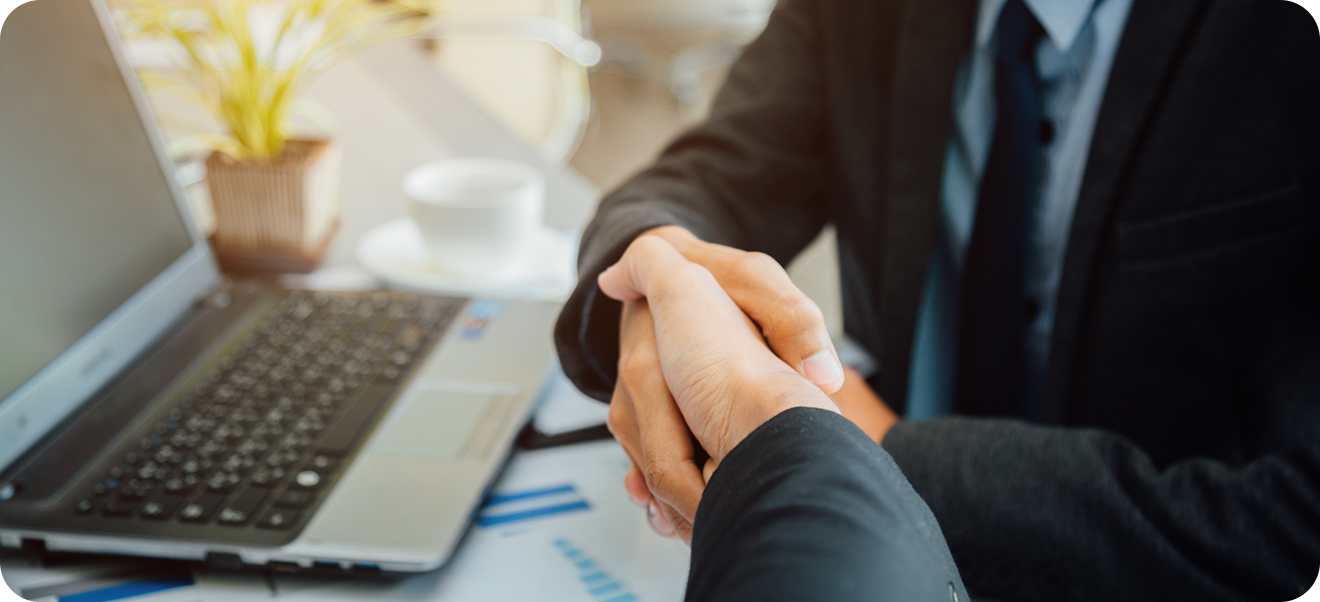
<point>1073,59</point>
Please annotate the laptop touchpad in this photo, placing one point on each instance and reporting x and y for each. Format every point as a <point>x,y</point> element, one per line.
<point>436,425</point>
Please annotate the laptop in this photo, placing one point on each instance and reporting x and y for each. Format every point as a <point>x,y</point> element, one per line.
<point>150,407</point>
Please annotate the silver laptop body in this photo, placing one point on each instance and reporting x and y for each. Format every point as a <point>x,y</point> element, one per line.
<point>117,330</point>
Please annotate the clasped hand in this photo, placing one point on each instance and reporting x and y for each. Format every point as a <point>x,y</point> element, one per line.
<point>693,362</point>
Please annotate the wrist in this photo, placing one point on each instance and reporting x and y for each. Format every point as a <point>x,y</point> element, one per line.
<point>764,394</point>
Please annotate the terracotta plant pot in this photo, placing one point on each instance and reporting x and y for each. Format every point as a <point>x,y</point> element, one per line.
<point>276,214</point>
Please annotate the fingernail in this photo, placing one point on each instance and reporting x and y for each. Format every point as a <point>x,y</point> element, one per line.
<point>658,522</point>
<point>822,368</point>
<point>639,502</point>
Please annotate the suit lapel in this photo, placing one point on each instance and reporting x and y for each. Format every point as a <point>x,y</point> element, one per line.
<point>1147,56</point>
<point>934,36</point>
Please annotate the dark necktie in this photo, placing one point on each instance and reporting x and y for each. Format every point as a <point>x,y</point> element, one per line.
<point>993,326</point>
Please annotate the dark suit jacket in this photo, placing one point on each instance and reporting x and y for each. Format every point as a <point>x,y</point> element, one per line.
<point>807,508</point>
<point>1181,460</point>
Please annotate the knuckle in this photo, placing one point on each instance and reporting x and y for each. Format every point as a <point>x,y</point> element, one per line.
<point>657,474</point>
<point>796,314</point>
<point>756,262</point>
<point>614,419</point>
<point>620,412</point>
<point>633,365</point>
<point>620,435</point>
<point>646,243</point>
<point>619,395</point>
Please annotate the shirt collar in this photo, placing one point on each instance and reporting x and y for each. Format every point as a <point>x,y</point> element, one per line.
<point>1062,19</point>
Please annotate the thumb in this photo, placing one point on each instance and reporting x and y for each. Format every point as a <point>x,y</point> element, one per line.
<point>628,280</point>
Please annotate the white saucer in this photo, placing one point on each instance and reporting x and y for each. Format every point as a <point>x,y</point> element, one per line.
<point>395,253</point>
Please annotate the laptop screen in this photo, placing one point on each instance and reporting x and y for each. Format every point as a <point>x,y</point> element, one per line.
<point>86,217</point>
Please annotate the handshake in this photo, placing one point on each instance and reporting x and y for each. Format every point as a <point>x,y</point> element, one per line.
<point>714,342</point>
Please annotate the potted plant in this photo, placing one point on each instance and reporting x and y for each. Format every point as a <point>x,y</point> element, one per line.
<point>246,63</point>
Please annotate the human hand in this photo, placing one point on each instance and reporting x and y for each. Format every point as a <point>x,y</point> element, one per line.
<point>725,382</point>
<point>645,421</point>
<point>641,389</point>
<point>791,322</point>
<point>855,399</point>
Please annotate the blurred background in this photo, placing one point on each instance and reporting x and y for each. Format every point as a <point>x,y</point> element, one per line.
<point>597,86</point>
<point>661,63</point>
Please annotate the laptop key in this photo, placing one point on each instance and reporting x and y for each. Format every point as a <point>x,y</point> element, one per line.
<point>293,499</point>
<point>223,482</point>
<point>239,511</point>
<point>108,486</point>
<point>201,509</point>
<point>137,491</point>
<point>322,463</point>
<point>266,477</point>
<point>352,420</point>
<point>162,508</point>
<point>278,518</point>
<point>308,479</point>
<point>183,484</point>
<point>278,412</point>
<point>119,508</point>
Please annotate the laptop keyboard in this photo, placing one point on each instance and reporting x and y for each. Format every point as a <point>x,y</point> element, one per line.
<point>262,434</point>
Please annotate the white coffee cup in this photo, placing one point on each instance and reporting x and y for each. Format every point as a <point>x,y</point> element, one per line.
<point>476,215</point>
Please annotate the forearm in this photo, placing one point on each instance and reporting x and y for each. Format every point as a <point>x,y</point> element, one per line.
<point>1081,514</point>
<point>808,508</point>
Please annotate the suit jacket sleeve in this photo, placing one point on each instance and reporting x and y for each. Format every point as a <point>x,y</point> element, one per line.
<point>1049,513</point>
<point>808,508</point>
<point>752,176</point>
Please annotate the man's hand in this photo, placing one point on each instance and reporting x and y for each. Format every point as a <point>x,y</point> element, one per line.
<point>855,400</point>
<point>792,326</point>
<point>724,380</point>
<point>791,322</point>
<point>648,425</point>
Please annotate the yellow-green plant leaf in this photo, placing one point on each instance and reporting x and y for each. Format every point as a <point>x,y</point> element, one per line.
<point>249,61</point>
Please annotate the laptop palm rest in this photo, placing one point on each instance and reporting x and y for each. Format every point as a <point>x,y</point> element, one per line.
<point>436,424</point>
<point>410,488</point>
